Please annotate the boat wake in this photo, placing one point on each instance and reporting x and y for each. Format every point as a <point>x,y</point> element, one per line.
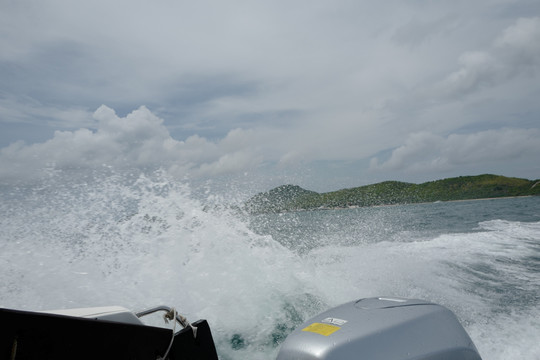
<point>142,239</point>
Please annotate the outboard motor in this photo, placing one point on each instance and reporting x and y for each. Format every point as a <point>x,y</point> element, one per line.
<point>381,328</point>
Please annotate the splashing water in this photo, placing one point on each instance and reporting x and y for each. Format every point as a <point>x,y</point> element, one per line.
<point>140,240</point>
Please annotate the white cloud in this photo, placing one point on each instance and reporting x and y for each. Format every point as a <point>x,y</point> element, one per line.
<point>477,69</point>
<point>516,51</point>
<point>519,46</point>
<point>524,36</point>
<point>139,140</point>
<point>426,152</point>
<point>230,163</point>
<point>418,148</point>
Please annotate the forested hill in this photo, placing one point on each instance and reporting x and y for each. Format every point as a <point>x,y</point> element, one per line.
<point>292,197</point>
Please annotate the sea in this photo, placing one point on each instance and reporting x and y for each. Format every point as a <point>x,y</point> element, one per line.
<point>140,240</point>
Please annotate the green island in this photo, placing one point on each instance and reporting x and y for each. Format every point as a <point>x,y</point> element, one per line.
<point>294,198</point>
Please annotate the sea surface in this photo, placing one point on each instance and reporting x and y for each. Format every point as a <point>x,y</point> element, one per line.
<point>144,240</point>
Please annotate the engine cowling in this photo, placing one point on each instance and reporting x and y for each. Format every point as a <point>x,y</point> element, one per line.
<point>381,328</point>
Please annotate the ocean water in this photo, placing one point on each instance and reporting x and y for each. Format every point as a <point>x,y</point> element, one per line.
<point>143,240</point>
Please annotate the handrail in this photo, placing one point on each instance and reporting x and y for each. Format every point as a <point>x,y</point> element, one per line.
<point>169,314</point>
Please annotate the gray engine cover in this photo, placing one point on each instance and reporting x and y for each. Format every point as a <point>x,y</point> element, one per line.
<point>381,328</point>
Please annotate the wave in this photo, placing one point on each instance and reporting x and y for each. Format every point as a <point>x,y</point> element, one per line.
<point>139,240</point>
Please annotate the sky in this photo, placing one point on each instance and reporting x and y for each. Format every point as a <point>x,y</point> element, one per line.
<point>322,94</point>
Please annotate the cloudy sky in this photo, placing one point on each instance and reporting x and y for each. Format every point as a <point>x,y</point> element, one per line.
<point>323,94</point>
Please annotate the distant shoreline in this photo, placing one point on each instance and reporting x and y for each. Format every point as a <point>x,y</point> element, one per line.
<point>412,203</point>
<point>287,198</point>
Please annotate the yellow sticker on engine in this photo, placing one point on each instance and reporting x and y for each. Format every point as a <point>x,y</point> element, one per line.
<point>323,329</point>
